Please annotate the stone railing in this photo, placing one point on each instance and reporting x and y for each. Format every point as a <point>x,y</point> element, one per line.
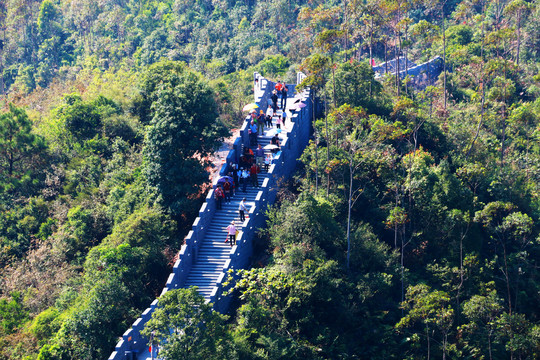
<point>421,75</point>
<point>292,146</point>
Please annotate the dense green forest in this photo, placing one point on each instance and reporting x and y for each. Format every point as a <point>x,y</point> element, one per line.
<point>409,231</point>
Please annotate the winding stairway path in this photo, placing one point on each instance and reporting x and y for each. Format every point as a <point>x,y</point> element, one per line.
<point>213,251</point>
<point>205,258</point>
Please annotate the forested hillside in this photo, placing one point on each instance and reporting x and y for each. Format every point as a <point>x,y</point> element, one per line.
<point>410,230</point>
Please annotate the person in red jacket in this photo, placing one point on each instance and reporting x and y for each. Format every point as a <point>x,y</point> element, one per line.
<point>218,195</point>
<point>279,89</point>
<point>253,171</point>
<point>227,187</point>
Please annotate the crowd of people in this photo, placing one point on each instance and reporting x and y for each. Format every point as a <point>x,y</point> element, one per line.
<point>261,120</point>
<point>251,162</point>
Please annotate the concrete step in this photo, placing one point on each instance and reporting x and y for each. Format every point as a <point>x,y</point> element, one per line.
<point>210,272</point>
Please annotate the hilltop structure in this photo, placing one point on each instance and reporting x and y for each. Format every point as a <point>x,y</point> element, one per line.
<point>421,75</point>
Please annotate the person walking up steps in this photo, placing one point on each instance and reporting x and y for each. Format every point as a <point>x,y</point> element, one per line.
<point>278,122</point>
<point>227,189</point>
<point>274,99</point>
<point>234,175</point>
<point>231,232</point>
<point>259,156</point>
<point>268,121</point>
<point>218,194</point>
<point>269,115</point>
<point>244,175</point>
<point>253,171</point>
<point>269,111</point>
<point>260,123</point>
<point>242,210</point>
<point>253,133</point>
<point>284,97</point>
<point>279,88</point>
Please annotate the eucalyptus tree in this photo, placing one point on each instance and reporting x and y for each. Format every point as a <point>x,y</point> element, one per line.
<point>511,234</point>
<point>518,9</point>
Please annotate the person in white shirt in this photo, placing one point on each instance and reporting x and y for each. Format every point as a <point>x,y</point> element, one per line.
<point>231,231</point>
<point>244,176</point>
<point>278,122</point>
<point>242,210</point>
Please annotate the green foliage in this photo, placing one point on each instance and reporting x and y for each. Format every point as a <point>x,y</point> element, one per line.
<point>186,327</point>
<point>21,152</point>
<point>459,34</point>
<point>87,126</point>
<point>118,281</point>
<point>25,79</point>
<point>296,304</point>
<point>92,326</point>
<point>273,66</point>
<point>82,120</point>
<point>165,72</point>
<point>12,314</point>
<point>482,311</point>
<point>182,133</point>
<point>356,86</point>
<point>369,254</point>
<point>45,325</point>
<point>286,310</point>
<point>304,230</point>
<point>134,251</point>
<point>317,67</point>
<point>82,232</point>
<point>19,225</point>
<point>430,309</point>
<point>155,47</point>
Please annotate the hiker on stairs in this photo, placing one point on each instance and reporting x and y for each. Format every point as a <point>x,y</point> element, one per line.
<point>231,232</point>
<point>284,93</point>
<point>244,176</point>
<point>227,189</point>
<point>259,155</point>
<point>242,210</point>
<point>253,171</point>
<point>218,194</point>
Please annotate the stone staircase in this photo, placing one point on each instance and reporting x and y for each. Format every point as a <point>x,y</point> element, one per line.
<point>213,251</point>
<point>204,259</point>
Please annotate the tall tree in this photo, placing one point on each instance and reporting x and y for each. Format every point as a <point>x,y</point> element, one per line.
<point>482,311</point>
<point>430,309</point>
<point>511,233</point>
<point>437,8</point>
<point>3,15</point>
<point>19,147</point>
<point>517,8</point>
<point>183,132</point>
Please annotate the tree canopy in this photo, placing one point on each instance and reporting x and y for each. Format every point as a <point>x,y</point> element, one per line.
<point>183,132</point>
